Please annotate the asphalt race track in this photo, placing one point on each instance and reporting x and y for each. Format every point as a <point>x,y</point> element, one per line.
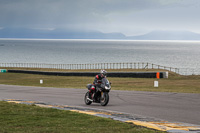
<point>177,107</point>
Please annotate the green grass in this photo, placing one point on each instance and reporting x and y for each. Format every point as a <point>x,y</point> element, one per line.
<point>175,83</point>
<point>21,118</point>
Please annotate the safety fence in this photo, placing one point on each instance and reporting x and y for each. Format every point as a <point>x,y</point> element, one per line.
<point>129,65</point>
<point>189,71</point>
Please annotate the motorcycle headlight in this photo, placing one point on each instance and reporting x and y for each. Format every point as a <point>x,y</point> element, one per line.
<point>107,88</point>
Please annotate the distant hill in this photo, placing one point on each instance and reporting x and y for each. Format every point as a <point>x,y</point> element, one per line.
<point>88,34</point>
<point>57,34</point>
<point>167,35</point>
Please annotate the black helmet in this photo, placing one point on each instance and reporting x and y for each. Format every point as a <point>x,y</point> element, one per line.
<point>103,72</point>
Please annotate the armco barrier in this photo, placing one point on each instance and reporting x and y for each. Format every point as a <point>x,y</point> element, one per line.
<point>110,74</point>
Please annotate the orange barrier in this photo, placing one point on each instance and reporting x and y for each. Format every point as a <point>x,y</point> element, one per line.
<point>157,75</point>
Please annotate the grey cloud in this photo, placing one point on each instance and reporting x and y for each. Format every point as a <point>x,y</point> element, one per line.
<point>104,15</point>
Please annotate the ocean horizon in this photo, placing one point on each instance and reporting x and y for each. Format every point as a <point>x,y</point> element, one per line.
<point>171,53</point>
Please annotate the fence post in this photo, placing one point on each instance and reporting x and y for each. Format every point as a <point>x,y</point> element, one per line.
<point>126,65</point>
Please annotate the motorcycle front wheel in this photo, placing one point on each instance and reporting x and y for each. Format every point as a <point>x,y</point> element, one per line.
<point>87,102</point>
<point>104,99</point>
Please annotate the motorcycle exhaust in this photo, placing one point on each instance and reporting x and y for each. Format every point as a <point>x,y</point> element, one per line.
<point>89,99</point>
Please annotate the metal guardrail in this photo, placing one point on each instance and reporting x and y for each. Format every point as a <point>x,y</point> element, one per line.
<point>127,65</point>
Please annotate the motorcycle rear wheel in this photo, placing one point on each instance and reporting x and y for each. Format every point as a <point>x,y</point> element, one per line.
<point>87,102</point>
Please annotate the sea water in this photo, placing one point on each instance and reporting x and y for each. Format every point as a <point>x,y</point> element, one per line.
<point>178,54</point>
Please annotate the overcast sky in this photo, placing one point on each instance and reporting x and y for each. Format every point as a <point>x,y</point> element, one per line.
<point>130,17</point>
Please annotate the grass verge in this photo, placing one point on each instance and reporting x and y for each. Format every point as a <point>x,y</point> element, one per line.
<point>175,82</point>
<point>30,118</point>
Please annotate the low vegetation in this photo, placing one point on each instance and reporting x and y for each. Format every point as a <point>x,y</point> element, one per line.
<point>20,118</point>
<point>175,82</point>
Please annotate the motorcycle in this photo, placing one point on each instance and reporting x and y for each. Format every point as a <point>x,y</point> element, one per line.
<point>101,95</point>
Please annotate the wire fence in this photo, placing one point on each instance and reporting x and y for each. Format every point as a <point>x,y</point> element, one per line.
<point>189,71</point>
<point>134,65</point>
<point>129,65</point>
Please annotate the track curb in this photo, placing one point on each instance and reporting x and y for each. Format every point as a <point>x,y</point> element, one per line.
<point>152,123</point>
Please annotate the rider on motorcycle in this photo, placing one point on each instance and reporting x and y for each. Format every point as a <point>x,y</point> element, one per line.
<point>97,82</point>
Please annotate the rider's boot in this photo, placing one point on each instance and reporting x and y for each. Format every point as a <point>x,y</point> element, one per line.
<point>93,96</point>
<point>90,96</point>
<point>91,93</point>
